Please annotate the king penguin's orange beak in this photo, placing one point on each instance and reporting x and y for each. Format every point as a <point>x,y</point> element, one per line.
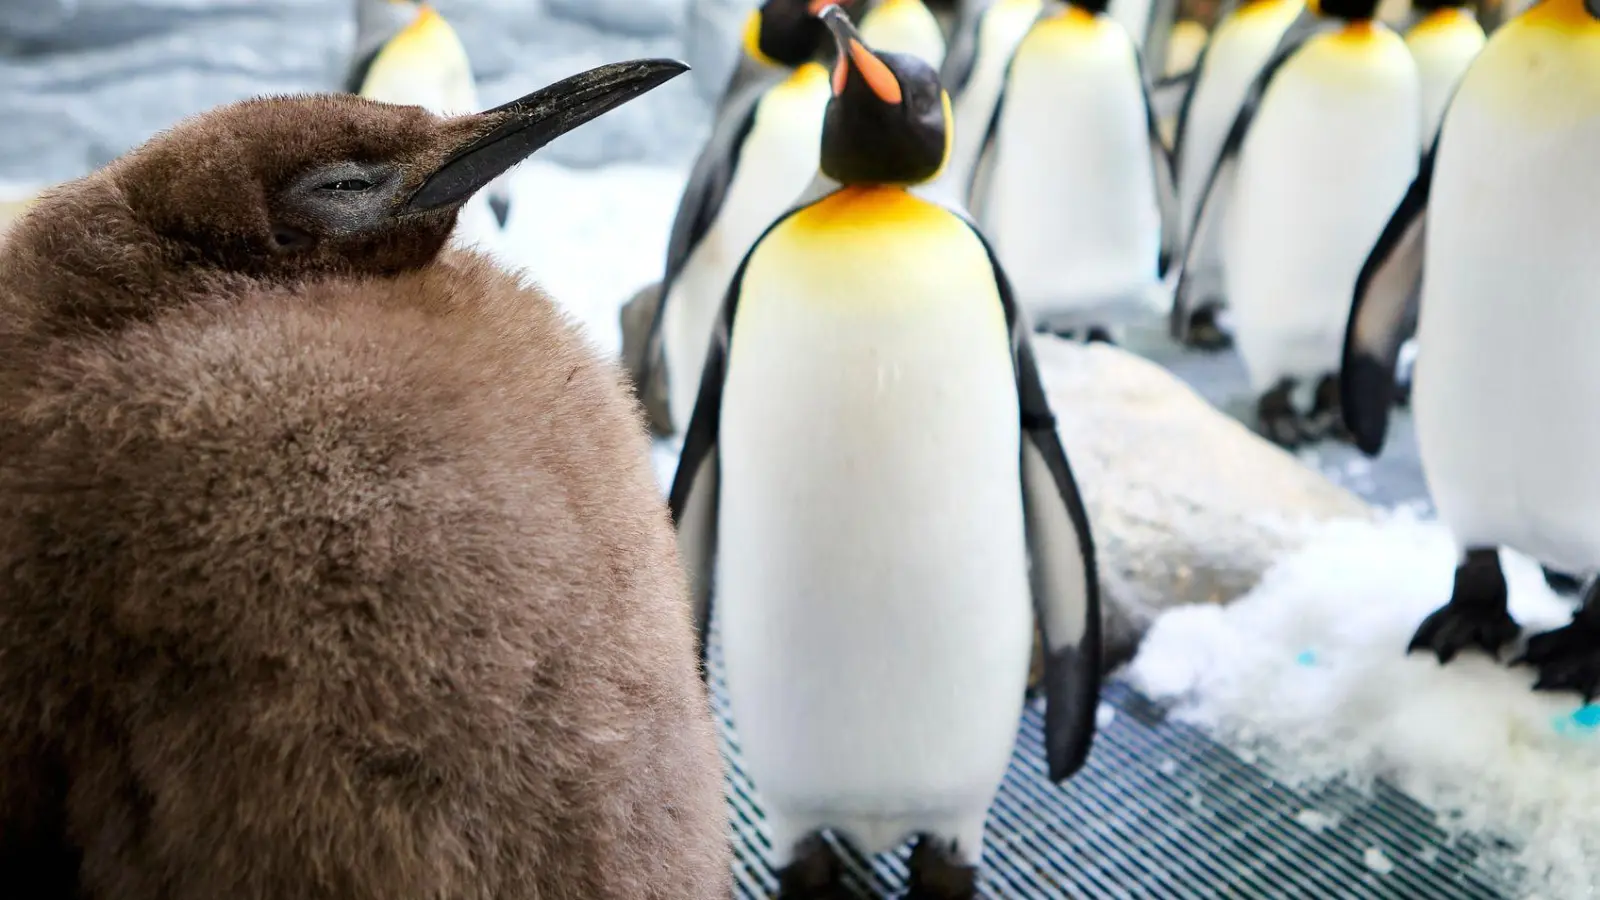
<point>855,54</point>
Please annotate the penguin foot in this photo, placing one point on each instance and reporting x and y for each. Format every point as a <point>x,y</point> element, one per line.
<point>1277,419</point>
<point>1562,583</point>
<point>1205,332</point>
<point>1476,616</point>
<point>1326,420</point>
<point>815,874</point>
<point>1568,659</point>
<point>937,872</point>
<point>1099,333</point>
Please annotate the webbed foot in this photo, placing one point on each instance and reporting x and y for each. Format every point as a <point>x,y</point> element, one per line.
<point>1205,331</point>
<point>938,873</point>
<point>815,874</point>
<point>1477,614</point>
<point>1277,419</point>
<point>1568,658</point>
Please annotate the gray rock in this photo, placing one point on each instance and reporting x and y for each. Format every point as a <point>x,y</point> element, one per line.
<point>1187,505</point>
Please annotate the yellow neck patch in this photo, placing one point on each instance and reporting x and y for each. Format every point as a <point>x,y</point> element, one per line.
<point>866,208</point>
<point>1566,15</point>
<point>1441,20</point>
<point>752,40</point>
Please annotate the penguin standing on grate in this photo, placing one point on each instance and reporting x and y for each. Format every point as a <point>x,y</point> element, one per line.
<point>870,469</point>
<point>1340,94</point>
<point>1501,219</point>
<point>331,560</point>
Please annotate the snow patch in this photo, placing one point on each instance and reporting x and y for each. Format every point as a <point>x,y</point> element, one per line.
<point>1310,671</point>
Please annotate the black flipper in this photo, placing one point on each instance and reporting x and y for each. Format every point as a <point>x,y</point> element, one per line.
<point>961,53</point>
<point>1166,179</point>
<point>703,197</point>
<point>1383,315</point>
<point>1066,587</point>
<point>1157,38</point>
<point>693,497</point>
<point>1223,172</point>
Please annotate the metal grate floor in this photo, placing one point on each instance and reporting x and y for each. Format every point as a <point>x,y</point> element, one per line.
<point>1161,811</point>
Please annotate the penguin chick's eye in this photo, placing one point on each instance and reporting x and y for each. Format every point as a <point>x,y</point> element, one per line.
<point>348,184</point>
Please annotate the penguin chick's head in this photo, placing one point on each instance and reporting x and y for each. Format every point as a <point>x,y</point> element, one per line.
<point>788,33</point>
<point>889,120</point>
<point>289,187</point>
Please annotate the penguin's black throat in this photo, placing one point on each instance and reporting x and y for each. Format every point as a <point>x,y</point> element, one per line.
<point>1350,10</point>
<point>887,121</point>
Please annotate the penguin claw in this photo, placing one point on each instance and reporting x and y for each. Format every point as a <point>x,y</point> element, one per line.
<point>1568,659</point>
<point>1454,627</point>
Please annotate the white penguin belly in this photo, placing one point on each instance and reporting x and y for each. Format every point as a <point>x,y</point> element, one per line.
<point>776,164</point>
<point>1002,27</point>
<point>1072,205</point>
<point>1443,45</point>
<point>1331,152</point>
<point>905,26</point>
<point>1506,386</point>
<point>1238,50</point>
<point>872,584</point>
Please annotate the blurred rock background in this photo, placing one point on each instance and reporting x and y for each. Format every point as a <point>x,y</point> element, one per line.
<point>82,81</point>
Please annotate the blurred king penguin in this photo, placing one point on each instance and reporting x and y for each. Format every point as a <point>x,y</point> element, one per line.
<point>905,26</point>
<point>1321,151</point>
<point>331,559</point>
<point>871,466</point>
<point>407,53</point>
<point>760,158</point>
<point>1501,220</point>
<point>1444,40</point>
<point>1229,61</point>
<point>1074,184</point>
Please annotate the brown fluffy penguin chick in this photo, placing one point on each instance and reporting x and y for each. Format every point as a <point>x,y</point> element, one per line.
<point>332,566</point>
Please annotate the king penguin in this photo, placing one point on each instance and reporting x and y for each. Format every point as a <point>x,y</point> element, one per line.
<point>974,73</point>
<point>1443,41</point>
<point>1501,219</point>
<point>1319,155</point>
<point>760,158</point>
<point>905,26</point>
<point>871,466</point>
<point>331,559</point>
<point>777,37</point>
<point>1229,61</point>
<point>1074,185</point>
<point>423,63</point>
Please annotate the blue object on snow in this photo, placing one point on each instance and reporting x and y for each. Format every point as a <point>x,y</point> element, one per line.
<point>1306,658</point>
<point>1583,721</point>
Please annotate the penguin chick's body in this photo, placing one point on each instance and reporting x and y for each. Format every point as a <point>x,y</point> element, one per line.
<point>331,563</point>
<point>1500,219</point>
<point>759,161</point>
<point>975,73</point>
<point>1443,42</point>
<point>870,467</point>
<point>1340,97</point>
<point>1237,49</point>
<point>905,26</point>
<point>1078,179</point>
<point>424,63</point>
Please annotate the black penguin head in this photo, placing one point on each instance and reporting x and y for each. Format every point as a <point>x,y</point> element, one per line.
<point>788,33</point>
<point>1346,9</point>
<point>889,120</point>
<point>335,183</point>
<point>1427,6</point>
<point>1092,6</point>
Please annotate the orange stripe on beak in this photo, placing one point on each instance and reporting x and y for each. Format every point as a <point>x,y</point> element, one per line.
<point>878,76</point>
<point>817,6</point>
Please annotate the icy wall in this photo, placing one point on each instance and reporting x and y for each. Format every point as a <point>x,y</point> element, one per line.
<point>81,81</point>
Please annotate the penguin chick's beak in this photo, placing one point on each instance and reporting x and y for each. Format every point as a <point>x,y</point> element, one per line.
<point>523,126</point>
<point>855,56</point>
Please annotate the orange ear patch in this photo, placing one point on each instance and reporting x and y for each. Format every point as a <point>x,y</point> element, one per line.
<point>841,71</point>
<point>878,76</point>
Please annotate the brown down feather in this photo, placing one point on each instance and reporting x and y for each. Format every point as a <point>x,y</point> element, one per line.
<point>341,576</point>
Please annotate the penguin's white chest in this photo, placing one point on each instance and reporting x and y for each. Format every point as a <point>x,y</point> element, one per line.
<point>872,581</point>
<point>905,26</point>
<point>1002,27</point>
<point>1072,205</point>
<point>1506,383</point>
<point>1238,50</point>
<point>1443,45</point>
<point>1331,151</point>
<point>776,163</point>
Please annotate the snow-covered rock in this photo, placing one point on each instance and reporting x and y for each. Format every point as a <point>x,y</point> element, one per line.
<point>82,81</point>
<point>1187,505</point>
